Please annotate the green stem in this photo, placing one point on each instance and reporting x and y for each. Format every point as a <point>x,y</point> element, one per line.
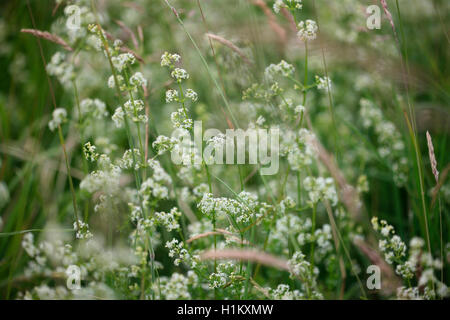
<point>72,189</point>
<point>313,229</point>
<point>84,161</point>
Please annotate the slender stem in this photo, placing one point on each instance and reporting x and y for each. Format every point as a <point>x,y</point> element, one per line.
<point>147,241</point>
<point>72,189</point>
<point>61,137</point>
<point>222,95</point>
<point>130,93</point>
<point>84,161</point>
<point>313,230</point>
<point>411,123</point>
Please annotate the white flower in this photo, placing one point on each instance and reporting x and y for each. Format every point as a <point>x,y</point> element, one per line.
<point>282,292</point>
<point>289,4</point>
<point>163,144</point>
<point>112,83</point>
<point>278,5</point>
<point>122,60</point>
<point>179,120</point>
<point>96,107</point>
<point>283,68</point>
<point>299,109</point>
<point>138,80</point>
<point>61,69</point>
<point>168,59</point>
<point>171,95</point>
<point>59,117</point>
<point>320,188</point>
<point>82,230</point>
<point>118,117</point>
<point>179,74</point>
<point>89,151</point>
<point>191,94</point>
<point>323,83</point>
<point>307,30</point>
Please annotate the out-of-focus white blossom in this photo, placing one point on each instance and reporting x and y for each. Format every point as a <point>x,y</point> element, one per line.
<point>59,117</point>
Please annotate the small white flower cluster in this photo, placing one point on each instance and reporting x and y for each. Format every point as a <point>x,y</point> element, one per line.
<point>283,68</point>
<point>215,143</point>
<point>120,80</point>
<point>302,269</point>
<point>286,227</point>
<point>180,120</point>
<point>225,274</point>
<point>320,189</point>
<point>191,94</point>
<point>390,142</point>
<point>47,253</point>
<point>307,30</point>
<point>169,220</point>
<point>283,292</point>
<point>61,69</point>
<point>83,15</point>
<point>300,149</point>
<point>52,257</point>
<point>137,80</point>
<point>288,4</point>
<point>94,107</point>
<point>299,109</point>
<point>95,39</point>
<point>177,251</point>
<point>169,59</point>
<point>391,245</point>
<point>155,187</point>
<point>299,267</point>
<point>163,144</point>
<point>177,286</point>
<point>131,159</point>
<point>28,245</point>
<point>123,60</point>
<point>172,96</point>
<point>179,74</point>
<point>217,280</point>
<point>322,237</point>
<point>323,83</point>
<point>189,155</point>
<point>107,179</point>
<point>132,109</point>
<point>118,117</point>
<point>420,259</point>
<point>59,117</point>
<point>44,292</point>
<point>243,211</point>
<point>82,230</point>
<point>89,152</point>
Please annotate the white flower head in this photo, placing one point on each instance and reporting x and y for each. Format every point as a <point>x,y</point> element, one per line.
<point>307,30</point>
<point>59,117</point>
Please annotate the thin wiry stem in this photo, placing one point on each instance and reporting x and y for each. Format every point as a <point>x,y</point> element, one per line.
<point>60,134</point>
<point>85,164</point>
<point>148,241</point>
<point>203,61</point>
<point>411,123</point>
